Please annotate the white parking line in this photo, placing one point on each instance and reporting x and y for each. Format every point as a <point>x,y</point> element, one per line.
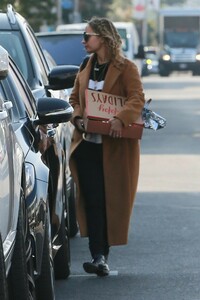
<point>112,273</point>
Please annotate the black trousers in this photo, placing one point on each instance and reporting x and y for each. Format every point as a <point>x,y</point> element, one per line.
<point>89,160</point>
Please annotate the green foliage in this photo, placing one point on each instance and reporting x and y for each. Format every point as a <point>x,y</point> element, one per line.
<point>120,10</point>
<point>37,12</point>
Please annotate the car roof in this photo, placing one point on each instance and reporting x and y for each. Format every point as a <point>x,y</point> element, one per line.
<point>74,26</point>
<point>81,26</point>
<point>123,24</point>
<point>10,19</point>
<point>5,24</point>
<point>150,48</point>
<point>61,33</point>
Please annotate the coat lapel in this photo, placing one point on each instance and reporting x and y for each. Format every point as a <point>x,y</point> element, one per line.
<point>111,77</point>
<point>84,78</point>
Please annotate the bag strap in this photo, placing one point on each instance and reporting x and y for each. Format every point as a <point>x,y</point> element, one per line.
<point>84,63</point>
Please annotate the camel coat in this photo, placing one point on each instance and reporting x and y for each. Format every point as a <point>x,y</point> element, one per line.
<point>120,156</point>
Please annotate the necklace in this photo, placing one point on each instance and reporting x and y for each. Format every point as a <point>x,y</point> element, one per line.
<point>99,73</point>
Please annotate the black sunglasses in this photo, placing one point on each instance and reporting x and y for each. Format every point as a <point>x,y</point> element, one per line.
<point>87,35</point>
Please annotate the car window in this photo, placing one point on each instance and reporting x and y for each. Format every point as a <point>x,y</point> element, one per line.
<point>23,92</point>
<point>15,89</point>
<point>7,94</point>
<point>65,49</point>
<point>40,59</point>
<point>14,44</point>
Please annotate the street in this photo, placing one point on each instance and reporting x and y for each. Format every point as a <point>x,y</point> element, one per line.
<point>162,258</point>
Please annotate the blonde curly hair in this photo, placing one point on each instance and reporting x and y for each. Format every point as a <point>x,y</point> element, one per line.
<point>106,29</point>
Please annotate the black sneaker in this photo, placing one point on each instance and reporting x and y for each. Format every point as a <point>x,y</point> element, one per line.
<point>97,266</point>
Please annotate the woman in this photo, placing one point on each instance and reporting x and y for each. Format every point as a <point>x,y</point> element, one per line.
<point>105,168</point>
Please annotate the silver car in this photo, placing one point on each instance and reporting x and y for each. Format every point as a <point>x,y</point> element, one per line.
<point>27,244</point>
<point>12,188</point>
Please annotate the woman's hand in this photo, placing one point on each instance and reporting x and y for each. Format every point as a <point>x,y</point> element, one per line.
<point>79,124</point>
<point>115,128</point>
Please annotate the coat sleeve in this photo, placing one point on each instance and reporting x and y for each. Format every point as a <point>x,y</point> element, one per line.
<point>133,91</point>
<point>74,99</point>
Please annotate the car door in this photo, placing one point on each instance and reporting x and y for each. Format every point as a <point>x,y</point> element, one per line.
<point>6,175</point>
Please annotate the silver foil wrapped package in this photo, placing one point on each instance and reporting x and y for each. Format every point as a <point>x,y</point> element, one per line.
<point>151,119</point>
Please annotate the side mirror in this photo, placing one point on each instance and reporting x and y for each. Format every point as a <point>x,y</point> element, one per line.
<point>4,63</point>
<point>141,52</point>
<point>53,110</point>
<point>62,77</point>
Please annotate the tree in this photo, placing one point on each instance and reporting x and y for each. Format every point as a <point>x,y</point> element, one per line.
<point>120,10</point>
<point>37,12</point>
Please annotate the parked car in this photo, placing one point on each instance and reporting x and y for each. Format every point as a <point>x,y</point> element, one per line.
<point>20,41</point>
<point>50,61</point>
<point>131,46</point>
<point>72,27</point>
<point>151,61</point>
<point>64,47</point>
<point>12,182</point>
<point>3,282</point>
<point>29,119</point>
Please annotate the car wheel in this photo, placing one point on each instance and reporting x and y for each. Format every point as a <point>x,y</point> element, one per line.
<point>3,283</point>
<point>62,258</point>
<point>18,275</point>
<point>30,269</point>
<point>45,282</point>
<point>195,73</point>
<point>163,72</point>
<point>73,227</point>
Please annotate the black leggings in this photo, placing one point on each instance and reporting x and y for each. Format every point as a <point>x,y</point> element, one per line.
<point>89,160</point>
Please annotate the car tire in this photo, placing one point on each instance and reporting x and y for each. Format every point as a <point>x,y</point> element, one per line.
<point>45,282</point>
<point>73,227</point>
<point>3,282</point>
<point>62,258</point>
<point>163,74</point>
<point>18,275</point>
<point>30,268</point>
<point>195,73</point>
<point>163,71</point>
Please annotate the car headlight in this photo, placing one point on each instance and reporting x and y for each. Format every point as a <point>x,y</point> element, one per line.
<point>148,61</point>
<point>30,178</point>
<point>166,57</point>
<point>198,56</point>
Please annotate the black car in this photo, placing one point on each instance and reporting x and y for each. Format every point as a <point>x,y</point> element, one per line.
<point>150,63</point>
<point>29,121</point>
<point>20,41</point>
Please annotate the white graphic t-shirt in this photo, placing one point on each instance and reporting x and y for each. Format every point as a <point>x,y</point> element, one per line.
<point>96,82</point>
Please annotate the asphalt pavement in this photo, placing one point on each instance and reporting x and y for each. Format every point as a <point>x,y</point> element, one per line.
<point>162,258</point>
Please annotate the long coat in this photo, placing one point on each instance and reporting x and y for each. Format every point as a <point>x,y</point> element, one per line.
<point>120,156</point>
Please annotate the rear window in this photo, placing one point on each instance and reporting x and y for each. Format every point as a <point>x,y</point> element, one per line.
<point>65,49</point>
<point>124,38</point>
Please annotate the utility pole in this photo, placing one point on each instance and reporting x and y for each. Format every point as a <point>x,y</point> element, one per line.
<point>77,16</point>
<point>145,23</point>
<point>59,11</point>
<point>140,13</point>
